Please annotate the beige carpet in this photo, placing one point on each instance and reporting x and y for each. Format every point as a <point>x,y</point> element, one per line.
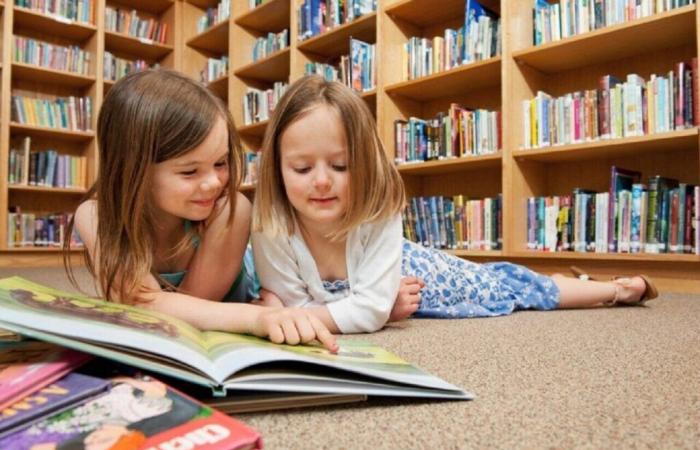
<point>604,378</point>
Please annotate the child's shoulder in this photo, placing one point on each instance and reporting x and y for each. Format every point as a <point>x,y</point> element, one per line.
<point>86,211</point>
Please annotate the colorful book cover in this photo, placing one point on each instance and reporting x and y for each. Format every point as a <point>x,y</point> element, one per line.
<point>68,391</point>
<point>136,412</point>
<point>29,366</point>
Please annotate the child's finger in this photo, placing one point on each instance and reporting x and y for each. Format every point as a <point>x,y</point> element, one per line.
<point>275,334</point>
<point>305,329</point>
<point>323,335</point>
<point>291,336</point>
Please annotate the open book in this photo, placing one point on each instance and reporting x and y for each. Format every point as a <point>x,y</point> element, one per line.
<point>222,361</point>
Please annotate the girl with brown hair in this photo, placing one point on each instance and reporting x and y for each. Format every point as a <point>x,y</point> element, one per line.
<point>163,225</point>
<point>327,230</point>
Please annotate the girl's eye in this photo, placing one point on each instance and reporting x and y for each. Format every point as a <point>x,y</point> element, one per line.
<point>221,163</point>
<point>188,172</point>
<point>340,167</point>
<point>302,169</point>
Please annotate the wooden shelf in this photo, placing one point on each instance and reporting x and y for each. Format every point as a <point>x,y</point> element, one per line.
<point>469,77</point>
<point>46,189</point>
<point>204,4</point>
<point>141,47</point>
<point>270,16</point>
<point>50,76</point>
<point>425,13</point>
<point>451,165</point>
<point>219,86</point>
<point>608,148</point>
<point>152,6</point>
<point>274,67</point>
<point>657,32</point>
<point>51,133</point>
<point>213,39</point>
<point>476,253</point>
<point>649,257</point>
<point>41,249</point>
<point>336,41</point>
<point>255,129</point>
<point>53,25</point>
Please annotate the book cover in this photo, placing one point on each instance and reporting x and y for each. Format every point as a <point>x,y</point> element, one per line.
<point>620,180</point>
<point>223,361</point>
<point>136,412</point>
<point>68,391</point>
<point>29,366</point>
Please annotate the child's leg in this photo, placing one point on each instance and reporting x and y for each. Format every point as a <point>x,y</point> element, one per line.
<point>575,293</point>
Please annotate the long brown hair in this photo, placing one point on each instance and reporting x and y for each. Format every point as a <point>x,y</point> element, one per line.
<point>146,118</point>
<point>376,188</point>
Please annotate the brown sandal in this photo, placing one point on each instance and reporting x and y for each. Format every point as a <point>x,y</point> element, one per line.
<point>650,291</point>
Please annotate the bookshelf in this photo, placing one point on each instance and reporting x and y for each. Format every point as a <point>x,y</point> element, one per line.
<point>643,46</point>
<point>32,80</point>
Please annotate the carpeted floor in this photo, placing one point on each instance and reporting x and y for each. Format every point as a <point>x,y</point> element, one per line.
<point>602,378</point>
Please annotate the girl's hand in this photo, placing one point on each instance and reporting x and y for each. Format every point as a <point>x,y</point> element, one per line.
<point>408,300</point>
<point>293,326</point>
<point>268,299</point>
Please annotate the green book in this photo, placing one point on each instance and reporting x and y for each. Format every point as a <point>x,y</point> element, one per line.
<point>222,361</point>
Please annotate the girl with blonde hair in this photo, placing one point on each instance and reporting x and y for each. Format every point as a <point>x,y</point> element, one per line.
<point>327,230</point>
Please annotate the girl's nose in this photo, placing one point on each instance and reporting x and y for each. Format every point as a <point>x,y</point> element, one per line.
<point>321,179</point>
<point>211,182</point>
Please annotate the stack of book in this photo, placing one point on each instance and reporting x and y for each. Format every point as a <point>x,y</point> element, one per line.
<point>50,392</point>
<point>318,16</point>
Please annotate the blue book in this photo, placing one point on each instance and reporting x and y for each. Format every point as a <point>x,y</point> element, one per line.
<point>54,398</point>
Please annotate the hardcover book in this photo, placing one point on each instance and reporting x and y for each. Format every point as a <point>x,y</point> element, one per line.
<point>136,412</point>
<point>222,361</point>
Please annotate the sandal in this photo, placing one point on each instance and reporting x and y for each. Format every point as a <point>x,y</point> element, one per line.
<point>650,291</point>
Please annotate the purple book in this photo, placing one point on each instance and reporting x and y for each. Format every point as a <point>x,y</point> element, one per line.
<point>54,398</point>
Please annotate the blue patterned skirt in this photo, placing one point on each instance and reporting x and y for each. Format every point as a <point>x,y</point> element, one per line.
<point>455,287</point>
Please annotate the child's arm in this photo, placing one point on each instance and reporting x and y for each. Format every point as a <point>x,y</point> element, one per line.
<point>278,324</point>
<point>218,260</point>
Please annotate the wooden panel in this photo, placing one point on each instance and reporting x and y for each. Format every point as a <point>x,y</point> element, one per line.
<point>152,6</point>
<point>52,133</point>
<point>50,76</point>
<point>272,16</point>
<point>275,67</point>
<point>425,13</point>
<point>451,165</point>
<point>214,39</point>
<point>141,47</point>
<point>66,28</point>
<point>336,41</point>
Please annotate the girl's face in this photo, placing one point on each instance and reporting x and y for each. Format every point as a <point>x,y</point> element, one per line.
<point>188,186</point>
<point>314,160</point>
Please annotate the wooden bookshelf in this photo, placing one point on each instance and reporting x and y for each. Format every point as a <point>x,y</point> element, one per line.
<point>145,48</point>
<point>46,189</point>
<point>45,75</point>
<point>644,46</point>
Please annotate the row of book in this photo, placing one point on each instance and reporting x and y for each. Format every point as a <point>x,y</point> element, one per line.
<point>479,39</point>
<point>555,21</point>
<point>215,69</point>
<point>258,104</point>
<point>457,133</point>
<point>115,67</point>
<point>357,70</point>
<point>251,170</point>
<point>273,42</point>
<point>45,168</point>
<point>58,57</point>
<point>616,109</point>
<point>129,22</point>
<point>37,229</point>
<point>454,223</point>
<point>68,113</point>
<point>68,10</point>
<point>217,14</point>
<point>318,16</point>
<point>54,397</point>
<point>662,216</point>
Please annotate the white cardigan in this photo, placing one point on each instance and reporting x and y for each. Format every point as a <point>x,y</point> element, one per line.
<point>373,257</point>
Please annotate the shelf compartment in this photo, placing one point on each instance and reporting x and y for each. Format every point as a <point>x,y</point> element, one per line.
<point>52,25</point>
<point>274,67</point>
<point>469,77</point>
<point>425,13</point>
<point>141,47</point>
<point>151,6</point>
<point>670,29</point>
<point>51,133</point>
<point>451,165</point>
<point>46,75</point>
<point>335,42</point>
<point>46,189</point>
<point>607,148</point>
<point>214,39</point>
<point>270,16</point>
<point>646,257</point>
<point>254,129</point>
<point>219,86</point>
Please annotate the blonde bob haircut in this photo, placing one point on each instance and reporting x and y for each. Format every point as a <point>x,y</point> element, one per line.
<point>146,118</point>
<point>376,190</point>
